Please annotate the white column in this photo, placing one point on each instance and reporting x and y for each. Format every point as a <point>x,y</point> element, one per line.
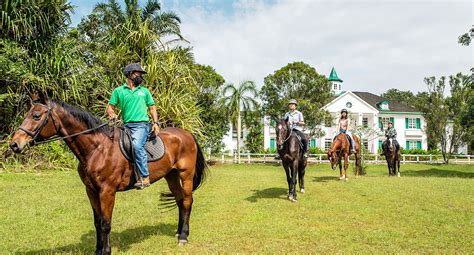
<point>266,132</point>
<point>375,126</point>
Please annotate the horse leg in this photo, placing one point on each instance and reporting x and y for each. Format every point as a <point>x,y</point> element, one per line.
<point>398,165</point>
<point>294,172</point>
<point>107,202</point>
<point>175,187</point>
<point>95,204</point>
<point>346,165</point>
<point>301,172</point>
<point>288,178</point>
<point>340,169</point>
<point>187,176</point>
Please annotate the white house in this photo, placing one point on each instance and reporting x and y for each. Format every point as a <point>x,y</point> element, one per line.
<point>370,111</point>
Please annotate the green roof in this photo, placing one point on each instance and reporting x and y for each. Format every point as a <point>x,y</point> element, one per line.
<point>333,76</point>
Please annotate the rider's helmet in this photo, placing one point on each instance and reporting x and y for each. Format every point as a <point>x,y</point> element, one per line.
<point>344,110</point>
<point>133,67</point>
<point>293,101</point>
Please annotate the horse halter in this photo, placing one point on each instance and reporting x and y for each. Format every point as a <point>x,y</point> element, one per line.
<point>35,134</point>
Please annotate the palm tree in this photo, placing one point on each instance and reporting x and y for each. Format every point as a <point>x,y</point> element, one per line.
<point>110,18</point>
<point>237,99</point>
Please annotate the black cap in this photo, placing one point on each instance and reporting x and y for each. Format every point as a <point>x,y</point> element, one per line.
<point>133,67</point>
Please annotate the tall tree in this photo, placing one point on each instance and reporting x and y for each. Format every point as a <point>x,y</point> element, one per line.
<point>253,122</point>
<point>299,81</point>
<point>443,114</point>
<point>238,99</point>
<point>215,123</point>
<point>406,97</point>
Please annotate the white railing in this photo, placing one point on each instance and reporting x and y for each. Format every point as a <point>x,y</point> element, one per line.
<point>323,158</point>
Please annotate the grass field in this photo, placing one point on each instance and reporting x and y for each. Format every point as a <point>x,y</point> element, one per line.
<point>243,208</point>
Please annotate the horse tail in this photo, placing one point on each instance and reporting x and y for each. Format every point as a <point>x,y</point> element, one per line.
<point>201,167</point>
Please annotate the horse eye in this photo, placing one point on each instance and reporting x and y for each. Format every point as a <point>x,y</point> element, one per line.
<point>36,115</point>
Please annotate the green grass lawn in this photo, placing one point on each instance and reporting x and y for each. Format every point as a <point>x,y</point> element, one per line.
<point>243,208</point>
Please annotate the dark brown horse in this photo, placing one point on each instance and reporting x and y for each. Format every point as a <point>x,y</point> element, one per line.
<point>102,167</point>
<point>291,154</point>
<point>393,156</point>
<point>341,148</point>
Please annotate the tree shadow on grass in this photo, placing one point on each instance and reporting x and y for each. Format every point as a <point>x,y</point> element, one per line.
<point>278,193</point>
<point>434,172</point>
<point>325,178</point>
<point>121,240</point>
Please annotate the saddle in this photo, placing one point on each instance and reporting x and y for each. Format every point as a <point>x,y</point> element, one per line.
<point>154,147</point>
<point>300,141</point>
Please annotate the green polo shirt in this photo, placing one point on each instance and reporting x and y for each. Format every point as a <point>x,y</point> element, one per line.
<point>133,103</point>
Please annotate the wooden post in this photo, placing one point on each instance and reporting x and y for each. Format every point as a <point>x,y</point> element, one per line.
<point>248,157</point>
<point>264,158</point>
<point>223,158</point>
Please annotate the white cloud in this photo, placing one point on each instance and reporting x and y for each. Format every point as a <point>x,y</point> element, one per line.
<point>373,45</point>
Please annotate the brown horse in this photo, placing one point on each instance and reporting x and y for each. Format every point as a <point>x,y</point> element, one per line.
<point>341,148</point>
<point>102,167</point>
<point>392,155</point>
<point>291,154</point>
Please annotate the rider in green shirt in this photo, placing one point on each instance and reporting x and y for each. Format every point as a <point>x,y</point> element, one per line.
<point>134,101</point>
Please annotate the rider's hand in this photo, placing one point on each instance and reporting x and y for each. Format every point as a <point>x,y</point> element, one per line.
<point>155,128</point>
<point>113,117</point>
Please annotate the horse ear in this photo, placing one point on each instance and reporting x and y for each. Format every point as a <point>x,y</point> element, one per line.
<point>43,97</point>
<point>287,118</point>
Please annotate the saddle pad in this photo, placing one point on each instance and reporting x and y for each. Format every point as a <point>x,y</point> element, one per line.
<point>155,149</point>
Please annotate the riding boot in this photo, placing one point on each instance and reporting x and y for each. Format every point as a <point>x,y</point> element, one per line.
<point>277,157</point>
<point>142,183</point>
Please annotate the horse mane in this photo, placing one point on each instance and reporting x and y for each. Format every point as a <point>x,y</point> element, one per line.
<point>85,117</point>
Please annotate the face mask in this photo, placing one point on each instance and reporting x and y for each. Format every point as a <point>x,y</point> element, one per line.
<point>138,80</point>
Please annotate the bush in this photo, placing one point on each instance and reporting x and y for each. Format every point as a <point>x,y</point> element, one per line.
<point>54,155</point>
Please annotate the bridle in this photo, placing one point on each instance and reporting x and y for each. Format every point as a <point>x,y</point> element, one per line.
<point>288,137</point>
<point>35,134</point>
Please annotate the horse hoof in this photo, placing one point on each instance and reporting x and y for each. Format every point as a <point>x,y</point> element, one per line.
<point>294,200</point>
<point>177,236</point>
<point>346,179</point>
<point>301,190</point>
<point>182,242</point>
<point>398,174</point>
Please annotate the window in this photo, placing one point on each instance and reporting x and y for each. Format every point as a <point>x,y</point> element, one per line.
<point>365,142</point>
<point>383,122</point>
<point>383,105</point>
<point>312,143</point>
<point>327,143</point>
<point>348,104</point>
<point>272,143</point>
<point>412,123</point>
<point>413,144</point>
<point>334,86</point>
<point>365,122</point>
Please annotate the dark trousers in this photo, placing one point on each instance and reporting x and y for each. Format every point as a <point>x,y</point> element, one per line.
<point>304,140</point>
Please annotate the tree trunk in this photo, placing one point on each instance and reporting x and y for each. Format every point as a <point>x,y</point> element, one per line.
<point>239,126</point>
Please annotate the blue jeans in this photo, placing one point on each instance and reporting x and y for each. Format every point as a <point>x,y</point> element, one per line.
<point>350,138</point>
<point>139,131</point>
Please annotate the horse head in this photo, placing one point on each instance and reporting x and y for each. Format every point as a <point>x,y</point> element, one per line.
<point>38,124</point>
<point>391,147</point>
<point>333,158</point>
<point>282,130</point>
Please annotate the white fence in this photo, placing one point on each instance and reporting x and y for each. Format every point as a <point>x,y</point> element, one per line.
<point>323,158</point>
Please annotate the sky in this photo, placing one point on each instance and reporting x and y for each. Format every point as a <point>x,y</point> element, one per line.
<point>373,45</point>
